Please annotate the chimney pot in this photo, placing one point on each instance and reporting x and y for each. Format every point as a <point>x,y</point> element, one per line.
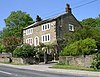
<point>68,9</point>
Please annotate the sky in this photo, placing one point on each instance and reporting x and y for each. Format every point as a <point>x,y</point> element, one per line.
<point>47,8</point>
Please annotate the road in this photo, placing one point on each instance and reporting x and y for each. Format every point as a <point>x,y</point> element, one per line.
<point>6,71</point>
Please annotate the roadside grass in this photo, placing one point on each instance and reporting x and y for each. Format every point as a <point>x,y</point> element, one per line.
<point>71,67</point>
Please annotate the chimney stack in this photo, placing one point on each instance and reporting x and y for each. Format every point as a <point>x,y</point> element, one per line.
<point>38,18</point>
<point>68,9</point>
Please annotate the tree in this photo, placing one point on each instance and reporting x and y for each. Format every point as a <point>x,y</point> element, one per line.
<point>75,36</point>
<point>88,46</point>
<point>95,34</point>
<point>11,43</point>
<point>15,22</point>
<point>2,48</point>
<point>92,22</point>
<point>1,36</point>
<point>12,34</point>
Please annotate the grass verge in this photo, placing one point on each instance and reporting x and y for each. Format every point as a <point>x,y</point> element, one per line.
<point>64,66</point>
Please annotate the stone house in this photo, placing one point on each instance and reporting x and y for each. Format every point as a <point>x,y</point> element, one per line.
<point>50,30</point>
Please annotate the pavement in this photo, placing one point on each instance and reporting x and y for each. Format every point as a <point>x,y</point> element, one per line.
<point>45,68</point>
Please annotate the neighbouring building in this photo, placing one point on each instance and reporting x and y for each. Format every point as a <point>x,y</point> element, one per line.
<point>49,31</point>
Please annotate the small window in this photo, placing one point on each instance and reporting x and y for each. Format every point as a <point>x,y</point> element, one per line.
<point>71,27</point>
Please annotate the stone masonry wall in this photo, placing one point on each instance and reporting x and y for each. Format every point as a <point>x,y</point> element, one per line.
<point>77,61</point>
<point>4,60</point>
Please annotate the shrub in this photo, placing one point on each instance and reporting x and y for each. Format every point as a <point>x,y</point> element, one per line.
<point>17,52</point>
<point>25,51</point>
<point>96,61</point>
<point>81,47</point>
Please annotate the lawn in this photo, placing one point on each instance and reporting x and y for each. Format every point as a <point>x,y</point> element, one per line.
<point>64,66</point>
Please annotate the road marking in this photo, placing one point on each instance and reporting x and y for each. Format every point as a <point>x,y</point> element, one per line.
<point>6,72</point>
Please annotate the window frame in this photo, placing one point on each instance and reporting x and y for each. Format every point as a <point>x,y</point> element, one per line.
<point>29,41</point>
<point>29,31</point>
<point>45,38</point>
<point>45,26</point>
<point>71,27</point>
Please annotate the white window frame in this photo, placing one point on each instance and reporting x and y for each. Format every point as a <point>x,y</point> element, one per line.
<point>71,29</point>
<point>45,38</point>
<point>29,31</point>
<point>35,41</point>
<point>45,27</point>
<point>28,41</point>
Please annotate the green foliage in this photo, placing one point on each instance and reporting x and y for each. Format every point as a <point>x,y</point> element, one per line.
<point>17,52</point>
<point>11,43</point>
<point>84,33</point>
<point>12,34</point>
<point>25,51</point>
<point>96,61</point>
<point>88,46</point>
<point>71,50</point>
<point>2,48</point>
<point>81,47</point>
<point>66,66</point>
<point>95,33</point>
<point>1,36</point>
<point>16,21</point>
<point>17,18</point>
<point>79,34</point>
<point>92,22</point>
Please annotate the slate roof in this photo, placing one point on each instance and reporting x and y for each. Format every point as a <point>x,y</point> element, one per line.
<point>45,21</point>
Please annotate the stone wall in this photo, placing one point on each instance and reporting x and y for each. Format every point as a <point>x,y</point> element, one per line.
<point>77,61</point>
<point>4,60</point>
<point>17,61</point>
<point>23,60</point>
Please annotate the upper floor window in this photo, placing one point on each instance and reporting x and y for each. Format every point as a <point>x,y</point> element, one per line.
<point>45,26</point>
<point>71,27</point>
<point>29,31</point>
<point>45,38</point>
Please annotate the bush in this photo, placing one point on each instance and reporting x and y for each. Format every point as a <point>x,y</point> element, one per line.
<point>96,61</point>
<point>17,52</point>
<point>25,51</point>
<point>71,50</point>
<point>81,47</point>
